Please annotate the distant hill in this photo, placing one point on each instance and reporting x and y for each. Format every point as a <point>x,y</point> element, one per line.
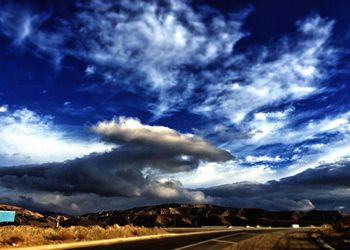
<point>185,215</point>
<point>191,215</point>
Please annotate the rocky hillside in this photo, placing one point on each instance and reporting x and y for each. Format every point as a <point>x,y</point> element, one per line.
<point>27,217</point>
<point>189,215</point>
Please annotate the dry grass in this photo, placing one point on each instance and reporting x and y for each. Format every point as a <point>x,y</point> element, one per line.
<point>32,236</point>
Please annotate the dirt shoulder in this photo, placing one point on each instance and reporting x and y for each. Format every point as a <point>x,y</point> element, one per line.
<point>338,238</point>
<point>291,239</point>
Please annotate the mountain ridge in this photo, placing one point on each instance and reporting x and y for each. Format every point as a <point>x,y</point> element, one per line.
<point>184,215</point>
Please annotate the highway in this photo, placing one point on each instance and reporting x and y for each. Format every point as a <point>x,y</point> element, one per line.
<point>203,241</point>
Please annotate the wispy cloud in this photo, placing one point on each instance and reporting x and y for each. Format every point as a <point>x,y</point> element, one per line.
<point>162,48</point>
<point>25,28</point>
<point>291,70</point>
<point>171,51</point>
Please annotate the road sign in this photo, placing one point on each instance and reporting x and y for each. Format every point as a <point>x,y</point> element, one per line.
<point>7,216</point>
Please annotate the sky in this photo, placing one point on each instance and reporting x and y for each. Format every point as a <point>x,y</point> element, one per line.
<point>115,104</point>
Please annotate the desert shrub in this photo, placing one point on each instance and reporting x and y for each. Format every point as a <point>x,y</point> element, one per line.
<point>61,236</point>
<point>14,241</point>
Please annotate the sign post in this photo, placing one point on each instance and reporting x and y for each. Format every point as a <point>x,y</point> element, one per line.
<point>7,216</point>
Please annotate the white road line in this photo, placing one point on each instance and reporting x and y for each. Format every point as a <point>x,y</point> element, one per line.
<point>226,241</point>
<point>205,241</point>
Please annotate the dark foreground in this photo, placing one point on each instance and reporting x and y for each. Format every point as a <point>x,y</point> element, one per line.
<point>286,239</point>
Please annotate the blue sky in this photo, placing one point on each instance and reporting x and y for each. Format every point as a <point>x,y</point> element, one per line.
<point>170,100</point>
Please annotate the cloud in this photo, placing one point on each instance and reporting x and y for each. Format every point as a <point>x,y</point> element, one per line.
<point>172,51</point>
<point>171,144</point>
<point>164,48</point>
<point>325,187</point>
<point>3,108</point>
<point>180,57</point>
<point>129,176</point>
<point>25,28</point>
<point>283,151</point>
<point>285,138</point>
<point>27,138</point>
<point>133,168</point>
<point>211,173</point>
<point>294,70</point>
<point>263,158</point>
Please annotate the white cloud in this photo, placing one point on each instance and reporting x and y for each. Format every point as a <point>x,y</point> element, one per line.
<point>3,108</point>
<point>171,49</point>
<point>331,153</point>
<point>262,158</point>
<point>295,73</point>
<point>158,43</point>
<point>213,174</point>
<point>322,153</point>
<point>90,70</point>
<point>329,124</point>
<point>269,128</point>
<point>148,44</point>
<point>27,138</point>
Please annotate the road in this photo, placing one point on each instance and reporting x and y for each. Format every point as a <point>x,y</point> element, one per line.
<point>212,241</point>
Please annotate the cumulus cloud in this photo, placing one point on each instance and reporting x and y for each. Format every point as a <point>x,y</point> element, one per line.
<point>173,145</point>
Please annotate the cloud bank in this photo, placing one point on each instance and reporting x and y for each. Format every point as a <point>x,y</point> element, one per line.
<point>128,170</point>
<point>324,187</point>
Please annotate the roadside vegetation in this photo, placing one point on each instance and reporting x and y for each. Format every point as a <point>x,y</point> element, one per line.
<point>17,236</point>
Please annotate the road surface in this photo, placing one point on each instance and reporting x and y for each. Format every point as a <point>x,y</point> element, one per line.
<point>205,241</point>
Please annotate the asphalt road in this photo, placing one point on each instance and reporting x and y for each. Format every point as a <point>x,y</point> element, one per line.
<point>212,241</point>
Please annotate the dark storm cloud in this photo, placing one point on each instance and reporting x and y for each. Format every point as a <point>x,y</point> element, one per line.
<point>166,148</point>
<point>119,171</point>
<point>324,187</point>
